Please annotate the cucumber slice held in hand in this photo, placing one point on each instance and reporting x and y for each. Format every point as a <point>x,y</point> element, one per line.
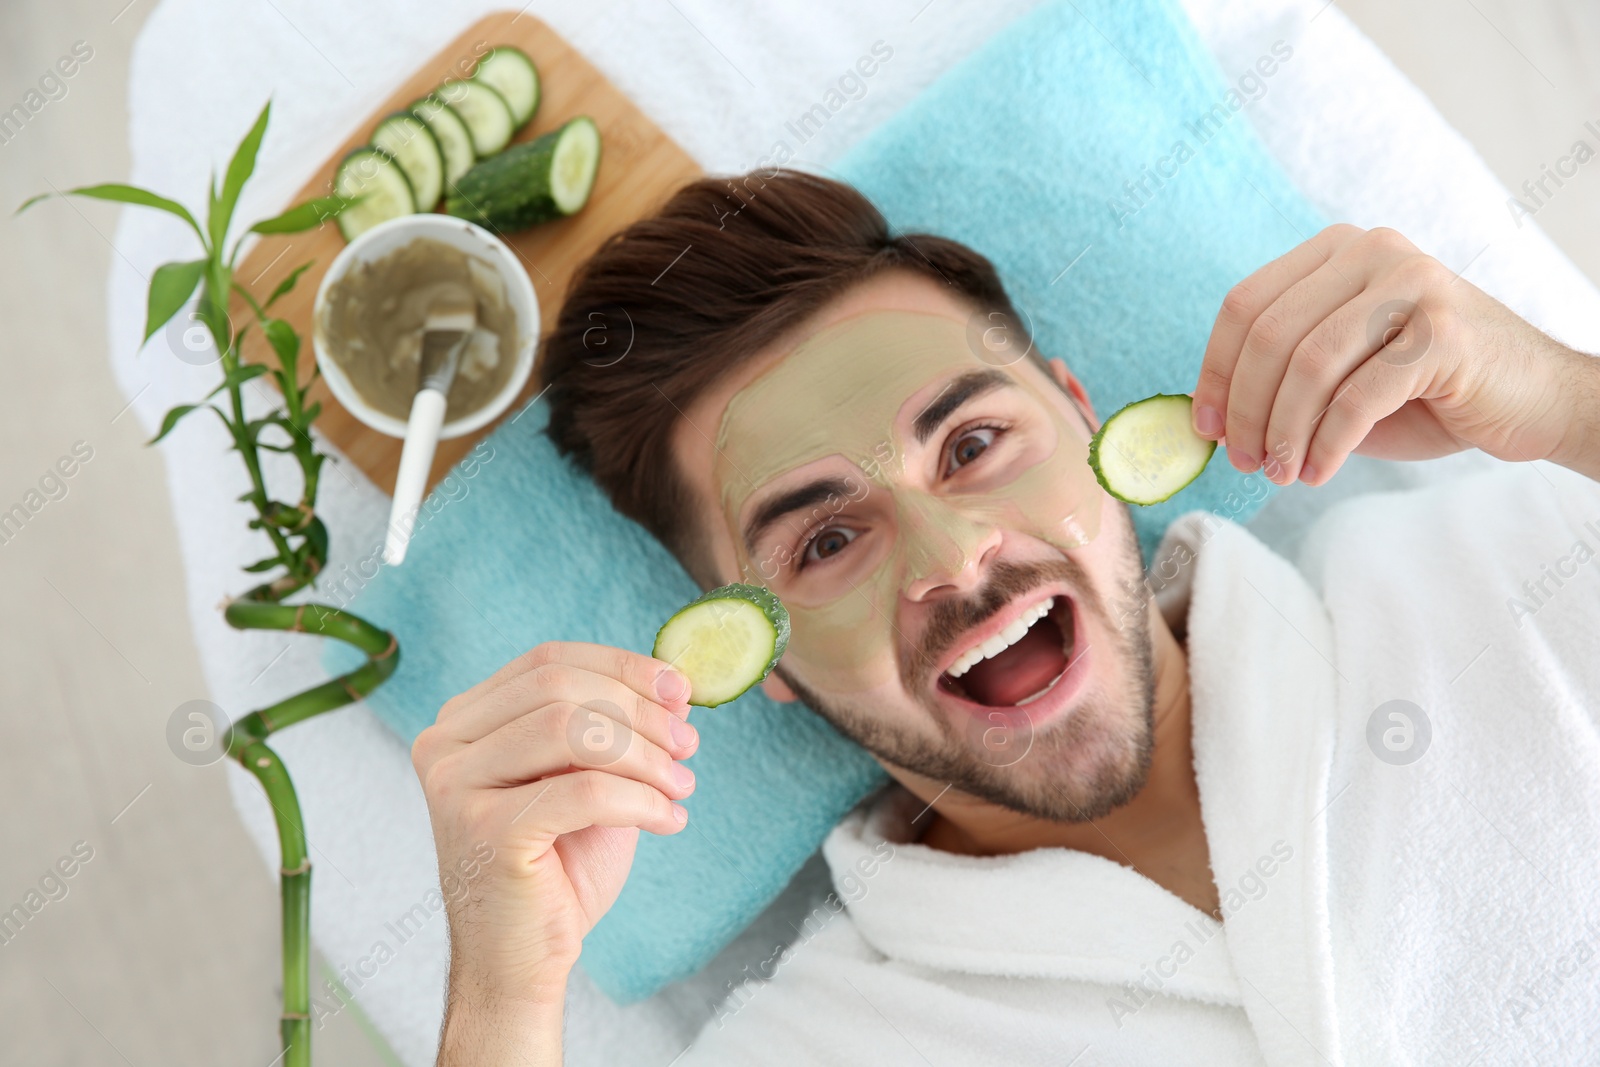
<point>511,73</point>
<point>725,641</point>
<point>549,177</point>
<point>384,191</point>
<point>412,144</point>
<point>1148,450</point>
<point>485,111</point>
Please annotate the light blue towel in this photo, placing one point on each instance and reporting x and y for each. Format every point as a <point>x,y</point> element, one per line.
<point>1017,151</point>
<point>1046,151</point>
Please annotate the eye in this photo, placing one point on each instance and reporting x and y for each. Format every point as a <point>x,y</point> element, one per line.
<point>825,543</point>
<point>968,446</point>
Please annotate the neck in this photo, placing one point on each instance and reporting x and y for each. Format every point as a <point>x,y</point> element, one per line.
<point>1158,832</point>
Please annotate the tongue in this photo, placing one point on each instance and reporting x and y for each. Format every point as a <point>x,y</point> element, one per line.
<point>1021,670</point>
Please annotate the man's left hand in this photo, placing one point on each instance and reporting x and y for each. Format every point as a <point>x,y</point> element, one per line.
<point>1355,341</point>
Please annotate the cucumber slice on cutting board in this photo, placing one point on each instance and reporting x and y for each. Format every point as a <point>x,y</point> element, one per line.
<point>412,144</point>
<point>511,73</point>
<point>725,641</point>
<point>547,178</point>
<point>1148,450</point>
<point>372,175</point>
<point>485,111</point>
<point>455,140</point>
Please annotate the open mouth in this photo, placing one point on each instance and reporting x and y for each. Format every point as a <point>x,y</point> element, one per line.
<point>1018,664</point>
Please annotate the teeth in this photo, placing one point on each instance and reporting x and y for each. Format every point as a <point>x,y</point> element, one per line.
<point>1001,641</point>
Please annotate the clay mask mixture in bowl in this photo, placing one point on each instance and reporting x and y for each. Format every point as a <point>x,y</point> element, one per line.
<point>371,326</point>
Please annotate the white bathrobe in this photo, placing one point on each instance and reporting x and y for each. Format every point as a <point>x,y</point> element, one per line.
<point>1401,882</point>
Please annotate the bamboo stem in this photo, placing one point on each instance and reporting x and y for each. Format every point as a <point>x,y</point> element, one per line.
<point>246,743</point>
<point>262,609</point>
<point>294,1025</point>
<point>383,656</point>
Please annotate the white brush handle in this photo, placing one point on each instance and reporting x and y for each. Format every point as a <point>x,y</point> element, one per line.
<point>416,458</point>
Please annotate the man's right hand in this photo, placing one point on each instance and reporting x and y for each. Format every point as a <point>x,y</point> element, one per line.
<point>557,762</point>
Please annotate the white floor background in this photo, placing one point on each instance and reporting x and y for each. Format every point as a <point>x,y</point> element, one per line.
<point>165,950</point>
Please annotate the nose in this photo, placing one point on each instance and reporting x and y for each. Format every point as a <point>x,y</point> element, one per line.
<point>946,550</point>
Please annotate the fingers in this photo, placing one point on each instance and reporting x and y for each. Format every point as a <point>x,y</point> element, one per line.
<point>554,682</point>
<point>651,678</point>
<point>563,736</point>
<point>1241,308</point>
<point>1292,336</point>
<point>1374,327</point>
<point>570,802</point>
<point>1270,361</point>
<point>1374,390</point>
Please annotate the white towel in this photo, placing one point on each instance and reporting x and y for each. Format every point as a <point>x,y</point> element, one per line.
<point>1347,127</point>
<point>1425,898</point>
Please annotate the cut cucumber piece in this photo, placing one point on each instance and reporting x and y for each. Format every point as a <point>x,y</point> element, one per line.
<point>485,112</point>
<point>455,140</point>
<point>509,72</point>
<point>1148,450</point>
<point>373,175</point>
<point>725,641</point>
<point>547,178</point>
<point>577,160</point>
<point>412,144</point>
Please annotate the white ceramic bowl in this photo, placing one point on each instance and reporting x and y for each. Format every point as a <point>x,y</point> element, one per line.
<point>466,237</point>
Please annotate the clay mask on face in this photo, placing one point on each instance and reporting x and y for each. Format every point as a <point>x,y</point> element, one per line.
<point>842,396</point>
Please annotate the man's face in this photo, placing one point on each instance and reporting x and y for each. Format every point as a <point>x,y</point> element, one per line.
<point>965,598</point>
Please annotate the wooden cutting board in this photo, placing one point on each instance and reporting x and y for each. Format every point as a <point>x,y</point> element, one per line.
<point>639,168</point>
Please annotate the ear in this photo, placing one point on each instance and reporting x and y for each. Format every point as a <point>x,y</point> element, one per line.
<point>1074,388</point>
<point>778,689</point>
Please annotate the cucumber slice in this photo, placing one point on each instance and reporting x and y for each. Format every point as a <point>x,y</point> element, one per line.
<point>725,641</point>
<point>373,175</point>
<point>577,160</point>
<point>408,139</point>
<point>512,74</point>
<point>547,178</point>
<point>1148,450</point>
<point>455,140</point>
<point>485,112</point>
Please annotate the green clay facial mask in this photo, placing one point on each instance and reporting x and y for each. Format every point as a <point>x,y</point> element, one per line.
<point>903,515</point>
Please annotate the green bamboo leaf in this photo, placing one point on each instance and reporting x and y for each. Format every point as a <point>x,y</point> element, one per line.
<point>304,216</point>
<point>243,373</point>
<point>125,194</point>
<point>311,413</point>
<point>172,420</point>
<point>213,197</point>
<point>240,168</point>
<point>284,341</point>
<point>286,285</point>
<point>170,288</point>
<point>288,427</point>
<point>317,535</point>
<point>214,314</point>
<point>259,311</point>
<point>262,565</point>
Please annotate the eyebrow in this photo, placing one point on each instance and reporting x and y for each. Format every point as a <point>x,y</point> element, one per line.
<point>958,392</point>
<point>785,504</point>
<point>950,399</point>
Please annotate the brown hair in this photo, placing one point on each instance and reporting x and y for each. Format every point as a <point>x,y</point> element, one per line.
<point>670,304</point>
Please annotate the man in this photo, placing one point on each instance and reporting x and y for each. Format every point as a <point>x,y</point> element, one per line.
<point>1188,828</point>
